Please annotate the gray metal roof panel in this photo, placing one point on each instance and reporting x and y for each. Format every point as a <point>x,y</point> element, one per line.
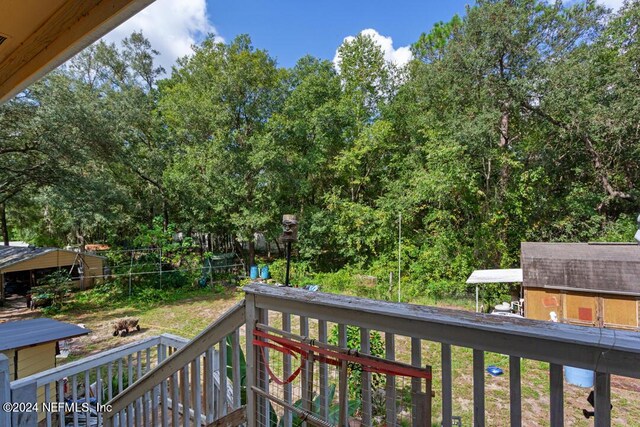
<point>25,333</point>
<point>601,268</point>
<point>13,254</point>
<point>10,255</point>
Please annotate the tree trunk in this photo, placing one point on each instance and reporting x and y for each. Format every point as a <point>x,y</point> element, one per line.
<point>504,143</point>
<point>80,238</point>
<point>601,172</point>
<point>165,215</point>
<point>238,248</point>
<point>3,225</point>
<point>252,252</point>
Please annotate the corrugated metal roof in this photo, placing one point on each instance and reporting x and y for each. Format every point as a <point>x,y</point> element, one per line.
<point>25,333</point>
<point>10,255</point>
<point>602,268</point>
<point>505,275</point>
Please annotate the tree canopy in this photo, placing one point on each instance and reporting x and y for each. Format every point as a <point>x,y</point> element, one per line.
<point>516,121</point>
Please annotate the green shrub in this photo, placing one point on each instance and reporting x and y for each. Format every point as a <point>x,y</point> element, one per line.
<point>355,369</point>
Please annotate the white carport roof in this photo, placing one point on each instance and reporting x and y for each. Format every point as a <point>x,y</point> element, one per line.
<point>506,275</point>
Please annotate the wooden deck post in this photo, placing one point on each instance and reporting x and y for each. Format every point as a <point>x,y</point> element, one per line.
<point>5,388</point>
<point>28,394</point>
<point>251,374</point>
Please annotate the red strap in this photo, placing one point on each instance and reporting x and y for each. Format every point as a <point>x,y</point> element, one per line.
<point>367,364</point>
<point>272,375</point>
<point>272,346</point>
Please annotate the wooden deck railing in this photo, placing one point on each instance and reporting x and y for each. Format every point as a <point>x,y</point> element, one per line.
<point>191,386</point>
<point>104,375</point>
<point>291,336</point>
<point>604,351</point>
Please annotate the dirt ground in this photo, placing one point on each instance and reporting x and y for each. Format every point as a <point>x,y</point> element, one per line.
<point>185,318</point>
<point>15,308</point>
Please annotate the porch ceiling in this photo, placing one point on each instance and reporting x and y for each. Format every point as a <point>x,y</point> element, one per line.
<point>36,36</point>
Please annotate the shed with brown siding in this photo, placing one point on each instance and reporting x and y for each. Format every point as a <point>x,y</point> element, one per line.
<point>596,284</point>
<point>25,266</point>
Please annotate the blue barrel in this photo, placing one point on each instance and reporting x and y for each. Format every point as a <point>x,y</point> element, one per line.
<point>579,377</point>
<point>264,272</point>
<point>253,273</point>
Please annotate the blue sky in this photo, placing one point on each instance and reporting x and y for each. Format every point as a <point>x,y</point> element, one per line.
<point>290,29</point>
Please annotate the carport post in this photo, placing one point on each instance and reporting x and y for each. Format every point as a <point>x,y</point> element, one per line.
<point>477,306</point>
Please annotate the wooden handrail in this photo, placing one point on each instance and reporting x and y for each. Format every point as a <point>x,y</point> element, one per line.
<point>217,331</point>
<point>598,349</point>
<point>86,363</point>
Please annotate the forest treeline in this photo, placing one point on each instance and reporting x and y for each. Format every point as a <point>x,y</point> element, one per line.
<point>519,121</point>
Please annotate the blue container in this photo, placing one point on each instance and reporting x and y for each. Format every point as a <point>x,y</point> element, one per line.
<point>264,272</point>
<point>579,377</point>
<point>494,370</point>
<point>253,272</point>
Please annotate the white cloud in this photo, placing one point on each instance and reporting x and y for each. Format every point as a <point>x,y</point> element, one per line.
<point>172,27</point>
<point>613,4</point>
<point>399,56</point>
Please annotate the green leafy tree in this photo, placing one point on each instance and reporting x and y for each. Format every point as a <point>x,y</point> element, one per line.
<point>217,104</point>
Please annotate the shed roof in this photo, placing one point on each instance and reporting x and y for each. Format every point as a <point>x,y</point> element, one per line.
<point>25,333</point>
<point>612,268</point>
<point>10,255</point>
<point>505,275</point>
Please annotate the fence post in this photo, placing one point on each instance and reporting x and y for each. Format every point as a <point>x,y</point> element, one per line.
<point>28,394</point>
<point>5,389</point>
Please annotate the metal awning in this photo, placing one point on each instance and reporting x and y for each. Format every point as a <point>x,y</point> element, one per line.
<point>504,275</point>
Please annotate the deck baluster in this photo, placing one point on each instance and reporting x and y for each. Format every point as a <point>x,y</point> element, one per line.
<point>515,390</point>
<point>210,398</point>
<point>130,380</point>
<point>478,388</point>
<point>324,373</point>
<point>416,360</point>
<point>557,399</point>
<point>47,399</point>
<point>74,397</point>
<point>222,375</point>
<point>197,391</point>
<point>390,386</point>
<point>286,368</point>
<point>447,385</point>
<point>602,396</point>
<point>235,369</point>
<point>365,347</point>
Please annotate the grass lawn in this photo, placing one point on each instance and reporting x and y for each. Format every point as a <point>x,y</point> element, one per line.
<point>188,312</point>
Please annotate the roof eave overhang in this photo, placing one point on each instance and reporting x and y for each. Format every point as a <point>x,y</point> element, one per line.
<point>65,33</point>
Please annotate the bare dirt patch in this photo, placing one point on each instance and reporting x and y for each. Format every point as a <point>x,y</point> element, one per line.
<point>15,308</point>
